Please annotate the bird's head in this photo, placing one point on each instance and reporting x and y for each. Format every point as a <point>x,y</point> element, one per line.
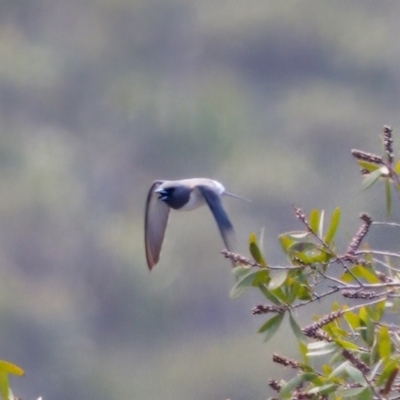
<point>165,194</point>
<point>175,196</point>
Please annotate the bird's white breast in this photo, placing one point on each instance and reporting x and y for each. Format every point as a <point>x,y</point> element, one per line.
<point>195,200</point>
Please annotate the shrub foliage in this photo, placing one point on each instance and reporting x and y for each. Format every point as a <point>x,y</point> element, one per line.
<point>356,344</point>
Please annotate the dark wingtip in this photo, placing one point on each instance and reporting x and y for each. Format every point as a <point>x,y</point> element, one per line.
<point>151,265</point>
<point>151,262</point>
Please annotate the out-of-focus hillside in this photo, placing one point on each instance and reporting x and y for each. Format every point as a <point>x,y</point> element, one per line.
<point>98,99</point>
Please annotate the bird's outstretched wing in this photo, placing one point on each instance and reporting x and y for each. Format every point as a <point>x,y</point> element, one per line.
<point>221,217</point>
<point>155,223</point>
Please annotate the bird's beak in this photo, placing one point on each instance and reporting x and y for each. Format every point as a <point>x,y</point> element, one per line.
<point>162,194</point>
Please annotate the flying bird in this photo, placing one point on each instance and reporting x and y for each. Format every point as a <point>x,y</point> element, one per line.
<point>182,195</point>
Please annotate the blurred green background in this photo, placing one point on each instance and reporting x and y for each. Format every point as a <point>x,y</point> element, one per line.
<point>98,98</point>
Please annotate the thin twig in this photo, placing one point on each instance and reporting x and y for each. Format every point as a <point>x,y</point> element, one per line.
<point>381,253</point>
<point>386,265</point>
<point>387,224</point>
<point>317,297</point>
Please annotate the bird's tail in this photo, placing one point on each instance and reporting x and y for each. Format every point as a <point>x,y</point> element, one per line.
<point>235,196</point>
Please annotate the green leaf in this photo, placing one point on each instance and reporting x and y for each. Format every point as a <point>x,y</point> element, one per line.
<point>303,247</point>
<point>295,382</point>
<point>11,368</point>
<point>296,329</point>
<point>318,345</point>
<point>269,295</point>
<point>324,389</point>
<point>242,285</point>
<point>397,168</point>
<point>347,345</point>
<point>303,351</point>
<point>375,370</point>
<point>321,224</point>
<point>363,314</point>
<point>313,221</point>
<point>327,369</point>
<point>281,295</point>
<point>240,271</point>
<point>4,386</point>
<point>255,250</point>
<point>307,252</point>
<point>360,393</point>
<point>7,368</point>
<point>360,272</point>
<point>303,293</point>
<point>285,242</point>
<point>367,330</point>
<point>388,370</point>
<point>291,289</point>
<point>247,280</point>
<point>352,319</point>
<point>347,369</point>
<point>278,280</point>
<point>298,235</point>
<point>356,375</point>
<point>385,343</point>
<point>339,370</point>
<point>368,165</point>
<point>322,349</point>
<point>376,311</point>
<point>388,191</point>
<point>271,326</point>
<point>333,227</point>
<point>370,179</point>
<point>367,394</point>
<point>287,239</point>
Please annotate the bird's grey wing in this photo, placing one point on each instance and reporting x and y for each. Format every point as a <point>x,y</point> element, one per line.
<point>155,223</point>
<point>225,226</point>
